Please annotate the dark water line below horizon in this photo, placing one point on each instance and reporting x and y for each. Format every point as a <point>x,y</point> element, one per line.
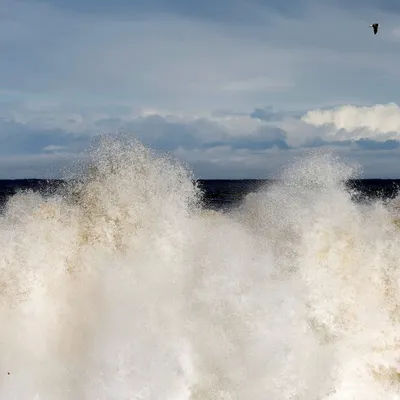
<point>218,193</point>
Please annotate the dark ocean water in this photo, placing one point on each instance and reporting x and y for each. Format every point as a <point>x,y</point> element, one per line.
<point>218,194</point>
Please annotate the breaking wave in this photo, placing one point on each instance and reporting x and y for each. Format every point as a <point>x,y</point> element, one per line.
<point>122,286</point>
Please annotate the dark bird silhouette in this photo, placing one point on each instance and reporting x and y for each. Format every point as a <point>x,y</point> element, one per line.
<point>375,26</point>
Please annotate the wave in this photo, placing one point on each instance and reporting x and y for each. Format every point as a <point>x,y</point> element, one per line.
<point>122,286</point>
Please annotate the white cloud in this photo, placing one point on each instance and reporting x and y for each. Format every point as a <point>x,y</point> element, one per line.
<point>378,122</point>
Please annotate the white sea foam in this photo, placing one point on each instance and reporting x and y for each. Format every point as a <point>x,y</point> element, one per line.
<point>123,287</point>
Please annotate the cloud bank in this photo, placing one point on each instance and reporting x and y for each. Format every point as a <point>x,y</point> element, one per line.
<point>223,145</point>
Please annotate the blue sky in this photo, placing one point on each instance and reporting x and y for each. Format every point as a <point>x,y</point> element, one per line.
<point>234,88</point>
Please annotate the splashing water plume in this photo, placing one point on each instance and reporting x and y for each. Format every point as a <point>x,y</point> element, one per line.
<point>123,287</point>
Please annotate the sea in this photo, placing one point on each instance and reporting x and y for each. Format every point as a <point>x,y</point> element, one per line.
<point>217,194</point>
<point>134,280</point>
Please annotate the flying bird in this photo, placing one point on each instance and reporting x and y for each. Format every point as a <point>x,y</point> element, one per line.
<point>375,26</point>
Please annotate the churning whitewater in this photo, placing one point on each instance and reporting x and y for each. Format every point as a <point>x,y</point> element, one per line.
<point>122,286</point>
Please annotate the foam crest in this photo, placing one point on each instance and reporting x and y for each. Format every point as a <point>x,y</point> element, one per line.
<point>91,280</point>
<point>343,255</point>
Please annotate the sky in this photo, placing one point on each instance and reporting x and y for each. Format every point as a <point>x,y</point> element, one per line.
<point>234,88</point>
